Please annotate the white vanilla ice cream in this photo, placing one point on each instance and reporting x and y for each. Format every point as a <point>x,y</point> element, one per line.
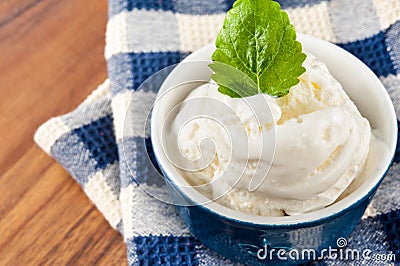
<point>314,139</point>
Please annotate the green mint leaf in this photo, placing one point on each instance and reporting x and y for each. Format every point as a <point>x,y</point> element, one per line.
<point>258,41</point>
<point>239,86</point>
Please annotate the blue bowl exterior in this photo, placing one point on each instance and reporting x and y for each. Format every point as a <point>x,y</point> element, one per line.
<point>240,241</point>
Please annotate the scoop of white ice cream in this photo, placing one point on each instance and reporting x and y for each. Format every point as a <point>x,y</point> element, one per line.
<point>314,140</point>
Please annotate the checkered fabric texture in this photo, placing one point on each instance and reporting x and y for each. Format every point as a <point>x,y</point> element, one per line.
<point>144,36</point>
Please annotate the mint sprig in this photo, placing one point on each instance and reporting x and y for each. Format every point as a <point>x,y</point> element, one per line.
<point>257,41</point>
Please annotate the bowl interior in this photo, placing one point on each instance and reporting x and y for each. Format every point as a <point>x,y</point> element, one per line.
<point>360,83</point>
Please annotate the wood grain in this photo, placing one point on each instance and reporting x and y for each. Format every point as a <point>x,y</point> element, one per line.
<point>51,58</point>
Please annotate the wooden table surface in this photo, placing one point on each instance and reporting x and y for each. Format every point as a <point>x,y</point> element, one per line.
<point>51,58</point>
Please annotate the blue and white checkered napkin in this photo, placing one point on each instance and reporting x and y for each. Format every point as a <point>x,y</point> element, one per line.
<point>144,36</point>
